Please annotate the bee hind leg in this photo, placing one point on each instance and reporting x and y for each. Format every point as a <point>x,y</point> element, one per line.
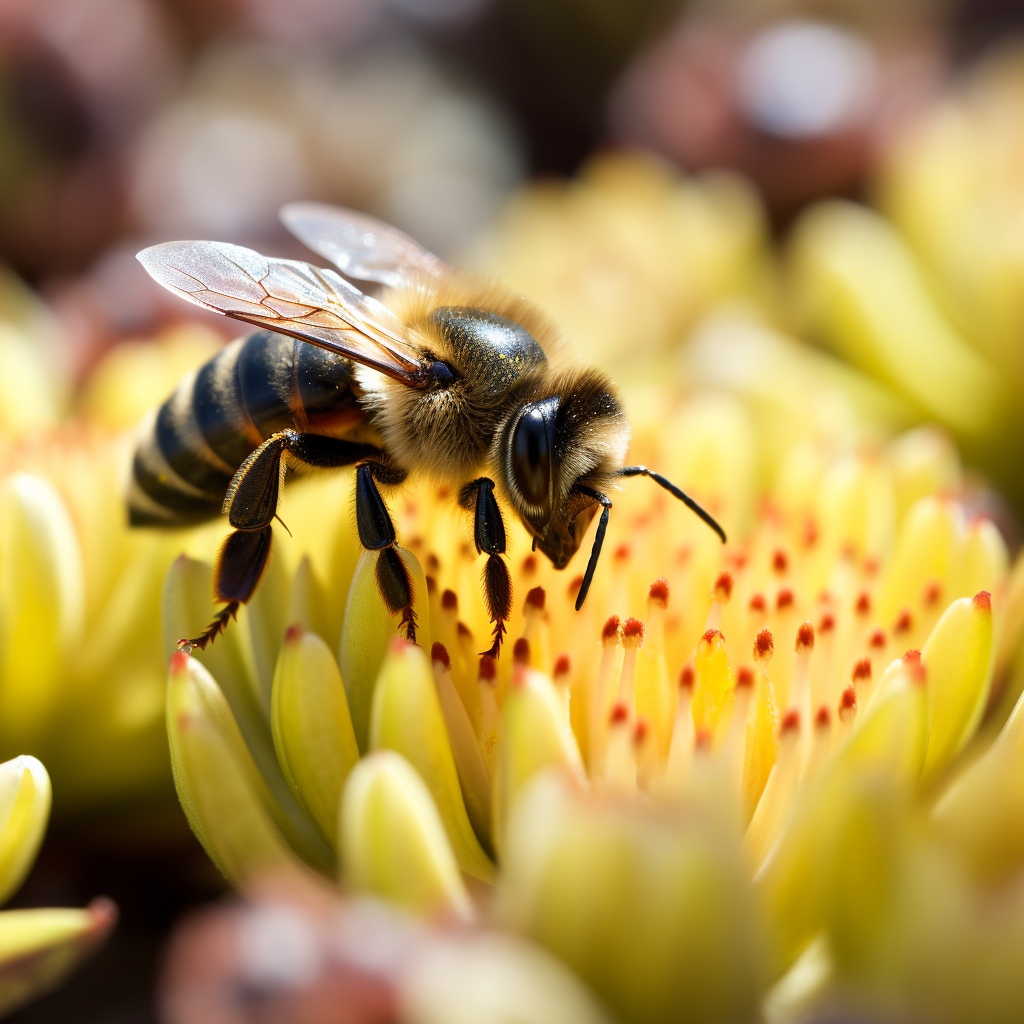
<point>377,533</point>
<point>489,536</point>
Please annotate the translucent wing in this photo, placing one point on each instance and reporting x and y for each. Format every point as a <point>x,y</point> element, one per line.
<point>290,297</point>
<point>360,246</point>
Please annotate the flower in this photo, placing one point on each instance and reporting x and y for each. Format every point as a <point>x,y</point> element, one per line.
<point>37,947</point>
<point>728,782</point>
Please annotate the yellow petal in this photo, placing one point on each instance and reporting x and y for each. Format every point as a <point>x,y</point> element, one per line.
<point>42,602</point>
<point>648,908</point>
<point>392,841</point>
<point>407,718</point>
<point>367,632</point>
<point>24,811</point>
<point>532,738</point>
<point>312,728</point>
<point>958,660</point>
<point>38,948</point>
<point>982,812</point>
<point>223,794</point>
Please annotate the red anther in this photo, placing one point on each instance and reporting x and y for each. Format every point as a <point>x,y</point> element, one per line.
<point>738,559</point>
<point>826,624</point>
<point>683,554</point>
<point>982,601</point>
<point>535,598</point>
<point>903,621</point>
<point>610,630</point>
<point>687,677</point>
<point>871,566</point>
<point>574,585</point>
<point>658,591</point>
<point>431,584</point>
<point>440,653</point>
<point>293,632</point>
<point>619,713</point>
<point>848,701</point>
<point>640,731</point>
<point>783,599</point>
<point>790,722</point>
<point>745,677</point>
<point>463,630</point>
<point>823,716</point>
<point>711,635</point>
<point>702,740</point>
<point>487,669</point>
<point>530,565</point>
<point>179,661</point>
<point>757,603</point>
<point>780,562</point>
<point>562,665</point>
<point>877,638</point>
<point>810,535</point>
<point>621,552</point>
<point>862,670</point>
<point>723,585</point>
<point>433,563</point>
<point>932,592</point>
<point>863,604</point>
<point>417,541</point>
<point>521,651</point>
<point>804,638</point>
<point>917,673</point>
<point>763,644</point>
<point>633,633</point>
<point>912,657</point>
<point>450,600</point>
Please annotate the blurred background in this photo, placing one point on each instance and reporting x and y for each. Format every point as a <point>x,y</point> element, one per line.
<point>669,180</point>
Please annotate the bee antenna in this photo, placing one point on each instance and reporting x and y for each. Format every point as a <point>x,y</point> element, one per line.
<point>676,493</point>
<point>595,553</point>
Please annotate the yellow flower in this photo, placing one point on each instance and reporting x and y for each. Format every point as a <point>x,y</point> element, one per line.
<point>706,792</point>
<point>37,947</point>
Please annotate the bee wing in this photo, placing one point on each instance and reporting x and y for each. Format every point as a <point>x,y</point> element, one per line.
<point>289,297</point>
<point>360,246</point>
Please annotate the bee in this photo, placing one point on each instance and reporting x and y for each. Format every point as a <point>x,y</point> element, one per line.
<point>444,375</point>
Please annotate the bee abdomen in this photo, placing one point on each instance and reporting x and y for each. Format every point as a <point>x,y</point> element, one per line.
<point>255,387</point>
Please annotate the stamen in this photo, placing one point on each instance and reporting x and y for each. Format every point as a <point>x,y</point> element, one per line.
<point>784,599</point>
<point>764,647</point>
<point>680,751</point>
<point>877,639</point>
<point>777,798</point>
<point>734,749</point>
<point>645,753</point>
<point>293,633</point>
<point>932,593</point>
<point>904,622</point>
<point>439,654</point>
<point>800,691</point>
<point>658,592</point>
<point>620,764</point>
<point>847,710</point>
<point>561,678</point>
<point>535,628</point>
<point>601,697</point>
<point>863,603</point>
<point>780,561</point>
<point>632,638</point>
<point>720,594</point>
<point>450,601</point>
<point>521,652</point>
<point>757,604</point>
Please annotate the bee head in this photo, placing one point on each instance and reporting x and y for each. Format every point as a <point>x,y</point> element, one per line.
<point>575,435</point>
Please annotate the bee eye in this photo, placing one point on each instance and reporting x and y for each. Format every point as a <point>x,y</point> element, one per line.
<point>531,460</point>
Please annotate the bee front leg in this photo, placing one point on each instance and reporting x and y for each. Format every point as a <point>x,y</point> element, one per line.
<point>377,533</point>
<point>489,535</point>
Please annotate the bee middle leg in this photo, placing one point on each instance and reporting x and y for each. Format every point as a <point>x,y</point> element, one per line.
<point>251,504</point>
<point>377,533</point>
<point>489,535</point>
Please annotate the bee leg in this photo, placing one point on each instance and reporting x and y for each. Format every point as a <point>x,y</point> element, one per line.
<point>489,536</point>
<point>251,504</point>
<point>377,533</point>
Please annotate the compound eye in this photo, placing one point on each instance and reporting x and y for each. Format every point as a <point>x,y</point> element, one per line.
<point>531,459</point>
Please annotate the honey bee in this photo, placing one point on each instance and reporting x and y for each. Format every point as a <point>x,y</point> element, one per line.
<point>445,375</point>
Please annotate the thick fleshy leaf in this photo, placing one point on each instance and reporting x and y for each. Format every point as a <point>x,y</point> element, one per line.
<point>367,632</point>
<point>393,843</point>
<point>958,659</point>
<point>24,811</point>
<point>312,727</point>
<point>39,948</point>
<point>407,718</point>
<point>42,602</point>
<point>225,798</point>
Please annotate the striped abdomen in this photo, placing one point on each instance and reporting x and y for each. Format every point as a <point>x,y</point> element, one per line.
<point>189,450</point>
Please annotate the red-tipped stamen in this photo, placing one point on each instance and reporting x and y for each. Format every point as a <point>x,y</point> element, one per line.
<point>438,652</point>
<point>764,646</point>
